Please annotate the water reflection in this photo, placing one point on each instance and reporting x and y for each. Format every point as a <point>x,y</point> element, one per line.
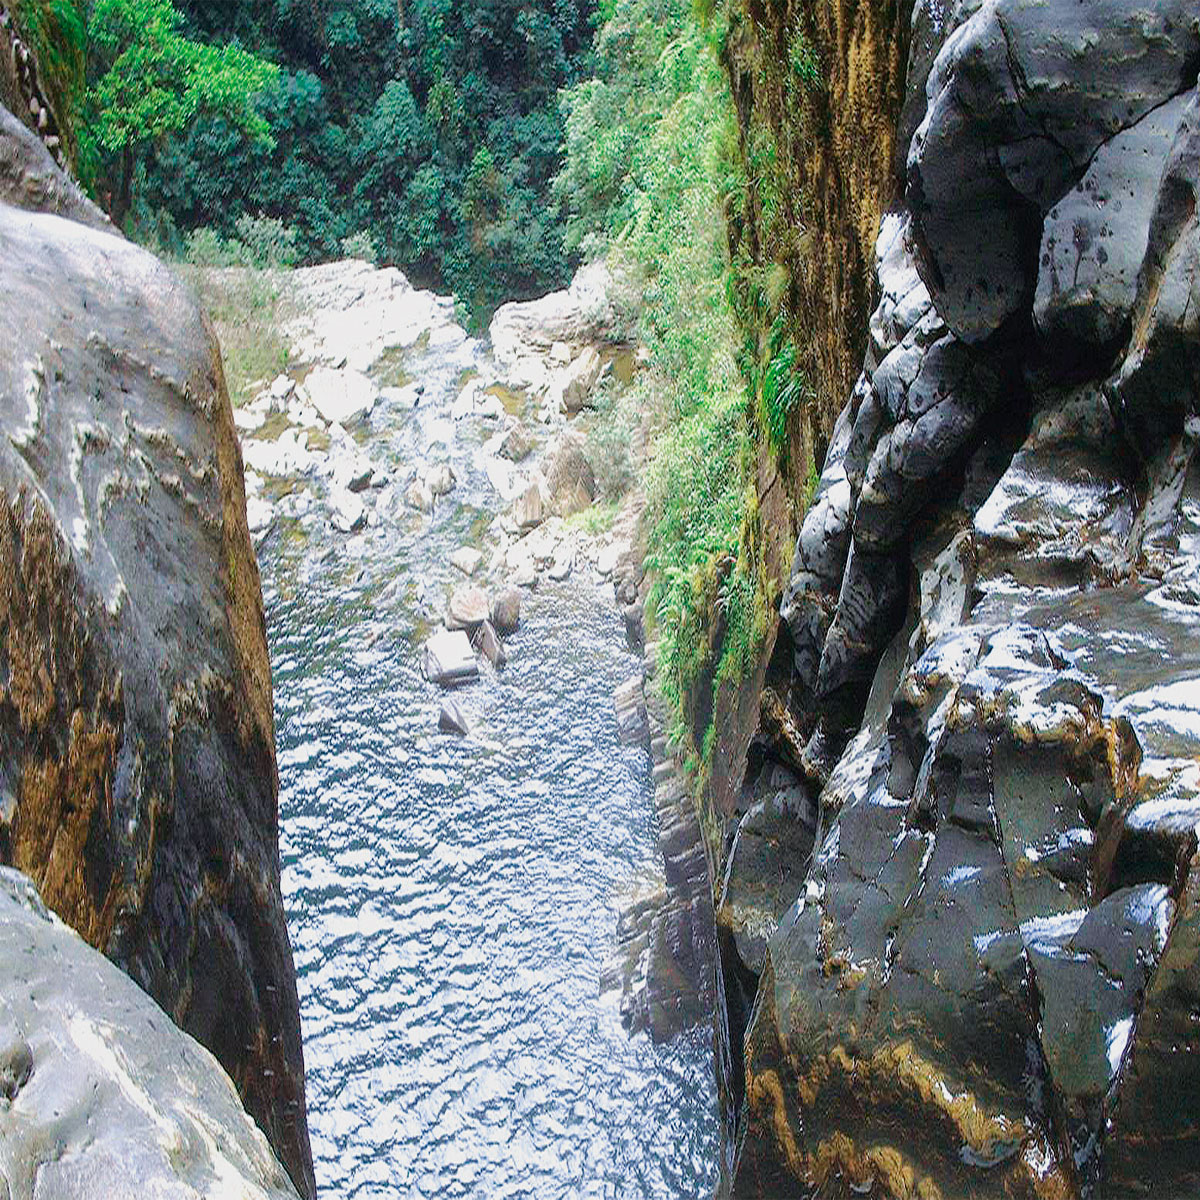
<point>451,902</point>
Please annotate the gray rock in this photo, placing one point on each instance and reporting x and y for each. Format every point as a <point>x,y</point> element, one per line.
<point>100,1093</point>
<point>1095,237</point>
<point>1011,125</point>
<point>577,380</point>
<point>487,642</point>
<point>440,480</point>
<point>529,510</point>
<point>506,610</point>
<point>452,719</point>
<point>517,444</point>
<point>418,495</point>
<point>768,863</point>
<point>347,512</point>
<point>132,585</point>
<point>569,478</point>
<point>1157,387</point>
<point>30,178</point>
<point>524,575</point>
<point>468,607</point>
<point>466,559</point>
<point>562,564</point>
<point>342,396</point>
<point>447,658</point>
<point>982,981</point>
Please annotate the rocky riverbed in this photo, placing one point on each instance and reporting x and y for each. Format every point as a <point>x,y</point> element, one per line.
<point>463,826</point>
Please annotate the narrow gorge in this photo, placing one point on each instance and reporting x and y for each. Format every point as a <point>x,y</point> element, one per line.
<point>725,725</point>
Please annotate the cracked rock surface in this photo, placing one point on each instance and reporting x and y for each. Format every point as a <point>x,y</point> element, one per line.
<point>985,977</point>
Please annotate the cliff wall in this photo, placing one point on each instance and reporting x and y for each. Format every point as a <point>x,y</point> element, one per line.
<point>956,883</point>
<point>138,786</point>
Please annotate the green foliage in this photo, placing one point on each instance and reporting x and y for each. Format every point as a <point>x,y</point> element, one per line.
<point>432,126</point>
<point>57,31</point>
<point>609,440</point>
<point>263,243</point>
<point>147,81</point>
<point>804,64</point>
<point>650,178</point>
<point>248,308</point>
<point>360,245</point>
<point>782,393</point>
<point>269,243</point>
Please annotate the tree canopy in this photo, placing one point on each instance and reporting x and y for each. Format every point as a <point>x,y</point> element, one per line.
<point>428,129</point>
<point>147,81</point>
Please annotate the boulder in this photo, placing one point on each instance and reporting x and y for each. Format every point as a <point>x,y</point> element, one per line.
<point>575,382</point>
<point>506,610</point>
<point>609,556</point>
<point>768,862</point>
<point>1094,238</point>
<point>347,512</point>
<point>343,396</point>
<point>283,387</point>
<point>102,1094</point>
<point>528,337</point>
<point>466,559</point>
<point>488,643</point>
<point>468,607</point>
<point>352,472</point>
<point>466,400</point>
<point>439,479</point>
<point>524,576</point>
<point>452,719</point>
<point>418,495</point>
<point>260,515</point>
<point>981,980</point>
<point>528,510</point>
<point>137,723</point>
<point>351,314</point>
<point>569,479</point>
<point>517,444</point>
<point>31,179</point>
<point>286,457</point>
<point>447,658</point>
<point>562,564</point>
<point>1157,387</point>
<point>1011,124</point>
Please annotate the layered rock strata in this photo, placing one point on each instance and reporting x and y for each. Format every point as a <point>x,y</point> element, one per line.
<point>982,979</point>
<point>137,762</point>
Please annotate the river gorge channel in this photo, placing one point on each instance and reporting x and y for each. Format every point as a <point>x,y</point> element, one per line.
<point>452,901</point>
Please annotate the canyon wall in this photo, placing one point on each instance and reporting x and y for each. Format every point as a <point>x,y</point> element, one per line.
<point>957,876</point>
<point>138,786</point>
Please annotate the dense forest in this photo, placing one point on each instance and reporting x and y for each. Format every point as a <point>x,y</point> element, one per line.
<point>424,135</point>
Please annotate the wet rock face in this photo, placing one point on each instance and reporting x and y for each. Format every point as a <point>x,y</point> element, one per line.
<point>1021,96</point>
<point>982,979</point>
<point>100,1094</point>
<point>136,729</point>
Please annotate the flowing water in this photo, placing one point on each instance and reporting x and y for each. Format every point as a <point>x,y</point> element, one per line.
<point>451,902</point>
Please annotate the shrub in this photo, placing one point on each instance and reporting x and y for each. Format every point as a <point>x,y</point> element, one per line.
<point>267,242</point>
<point>206,248</point>
<point>361,245</point>
<point>609,442</point>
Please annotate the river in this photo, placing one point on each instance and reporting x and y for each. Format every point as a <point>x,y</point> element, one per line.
<point>451,902</point>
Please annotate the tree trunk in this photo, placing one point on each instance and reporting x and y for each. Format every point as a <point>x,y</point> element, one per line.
<point>123,199</point>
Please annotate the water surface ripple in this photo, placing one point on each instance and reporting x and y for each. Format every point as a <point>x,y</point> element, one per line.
<point>451,902</point>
